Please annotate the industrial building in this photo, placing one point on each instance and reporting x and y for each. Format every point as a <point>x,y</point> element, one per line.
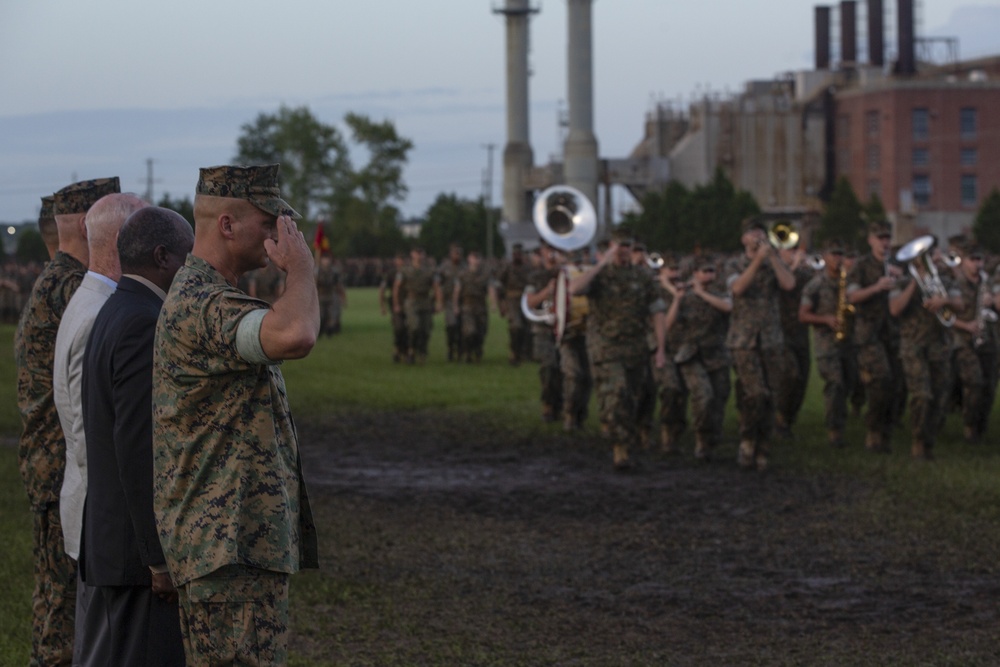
<point>910,123</point>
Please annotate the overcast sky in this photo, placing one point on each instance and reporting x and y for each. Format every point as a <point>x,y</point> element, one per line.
<point>96,88</point>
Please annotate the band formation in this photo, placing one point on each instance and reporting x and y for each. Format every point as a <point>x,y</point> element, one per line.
<point>159,453</point>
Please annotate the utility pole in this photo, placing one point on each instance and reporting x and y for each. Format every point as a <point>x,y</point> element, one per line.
<point>488,198</point>
<point>149,180</point>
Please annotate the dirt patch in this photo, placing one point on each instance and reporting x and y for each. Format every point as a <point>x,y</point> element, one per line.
<point>449,541</point>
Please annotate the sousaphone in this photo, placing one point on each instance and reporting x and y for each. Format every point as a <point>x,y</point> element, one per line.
<point>567,221</point>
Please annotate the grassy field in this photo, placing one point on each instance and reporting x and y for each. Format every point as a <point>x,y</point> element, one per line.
<point>353,372</point>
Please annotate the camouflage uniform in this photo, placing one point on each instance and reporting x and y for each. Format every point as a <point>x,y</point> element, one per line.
<point>701,357</point>
<point>546,352</point>
<point>513,279</point>
<point>448,273</point>
<point>228,486</point>
<point>621,300</point>
<point>574,365</point>
<point>797,357</point>
<point>875,346</point>
<point>473,312</point>
<point>925,353</point>
<point>330,288</point>
<point>42,459</point>
<point>975,361</point>
<point>417,292</point>
<point>670,385</point>
<point>833,357</point>
<point>267,283</point>
<point>400,335</point>
<point>755,341</point>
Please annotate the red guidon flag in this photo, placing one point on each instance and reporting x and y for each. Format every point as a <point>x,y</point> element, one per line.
<point>321,242</point>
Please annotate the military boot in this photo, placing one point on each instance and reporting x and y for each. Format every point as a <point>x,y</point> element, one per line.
<point>667,440</point>
<point>921,451</point>
<point>702,448</point>
<point>620,458</point>
<point>745,456</point>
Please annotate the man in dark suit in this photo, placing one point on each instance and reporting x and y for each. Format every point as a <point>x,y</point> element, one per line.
<point>121,555</point>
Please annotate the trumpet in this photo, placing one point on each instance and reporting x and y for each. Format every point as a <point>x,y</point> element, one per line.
<point>655,261</point>
<point>782,236</point>
<point>815,262</point>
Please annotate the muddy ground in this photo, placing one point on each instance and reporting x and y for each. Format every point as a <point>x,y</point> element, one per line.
<point>448,541</point>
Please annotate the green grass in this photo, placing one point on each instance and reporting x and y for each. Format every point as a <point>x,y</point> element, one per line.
<point>353,371</point>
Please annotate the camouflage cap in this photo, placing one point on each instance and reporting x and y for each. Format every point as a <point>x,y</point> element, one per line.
<point>880,228</point>
<point>46,214</point>
<point>79,197</point>
<point>833,245</point>
<point>622,237</point>
<point>256,184</point>
<point>754,222</point>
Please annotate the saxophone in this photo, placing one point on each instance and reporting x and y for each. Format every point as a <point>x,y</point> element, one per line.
<point>844,309</point>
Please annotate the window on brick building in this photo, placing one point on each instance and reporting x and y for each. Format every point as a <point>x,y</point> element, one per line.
<point>921,189</point>
<point>969,157</point>
<point>968,122</point>
<point>871,123</point>
<point>921,157</point>
<point>969,190</point>
<point>874,188</point>
<point>921,124</point>
<point>873,158</point>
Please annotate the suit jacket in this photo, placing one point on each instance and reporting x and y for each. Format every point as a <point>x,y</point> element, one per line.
<point>120,541</point>
<point>71,344</point>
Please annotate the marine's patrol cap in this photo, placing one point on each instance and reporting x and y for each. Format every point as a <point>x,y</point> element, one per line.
<point>754,222</point>
<point>622,237</point>
<point>834,247</point>
<point>880,228</point>
<point>257,185</point>
<point>45,215</point>
<point>79,197</point>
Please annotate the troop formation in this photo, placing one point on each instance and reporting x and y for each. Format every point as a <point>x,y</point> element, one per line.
<point>158,449</point>
<point>891,327</point>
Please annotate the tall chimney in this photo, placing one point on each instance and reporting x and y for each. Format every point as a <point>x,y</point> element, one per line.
<point>876,33</point>
<point>580,150</point>
<point>517,154</point>
<point>848,32</point>
<point>906,62</point>
<point>822,37</point>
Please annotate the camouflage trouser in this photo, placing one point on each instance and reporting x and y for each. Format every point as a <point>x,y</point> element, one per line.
<point>976,373</point>
<point>400,335</point>
<point>454,330</point>
<point>836,373</point>
<point>875,373</point>
<point>673,395</point>
<point>928,383</point>
<point>758,373</point>
<point>473,324</point>
<point>237,615</point>
<point>547,354</point>
<point>577,383</point>
<point>419,322</point>
<point>517,331</point>
<point>53,602</point>
<point>329,315</point>
<point>792,389</point>
<point>709,391</point>
<point>619,395</point>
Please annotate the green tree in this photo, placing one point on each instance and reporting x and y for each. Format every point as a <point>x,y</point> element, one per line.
<point>451,219</point>
<point>380,181</point>
<point>31,247</point>
<point>986,226</point>
<point>183,206</point>
<point>681,220</point>
<point>315,165</point>
<point>844,217</point>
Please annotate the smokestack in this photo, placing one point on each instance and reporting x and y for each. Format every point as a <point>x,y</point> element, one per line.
<point>848,33</point>
<point>906,61</point>
<point>580,150</point>
<point>517,154</point>
<point>822,37</point>
<point>876,33</point>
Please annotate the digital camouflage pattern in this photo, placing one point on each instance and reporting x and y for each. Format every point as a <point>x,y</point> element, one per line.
<point>80,196</point>
<point>755,322</point>
<point>257,185</point>
<point>46,212</point>
<point>235,616</point>
<point>833,357</point>
<point>228,486</point>
<point>670,386</point>
<point>621,300</point>
<point>871,317</point>
<point>798,360</point>
<point>473,308</point>
<point>417,292</point>
<point>42,458</point>
<point>545,350</point>
<point>512,280</point>
<point>42,449</point>
<point>975,361</point>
